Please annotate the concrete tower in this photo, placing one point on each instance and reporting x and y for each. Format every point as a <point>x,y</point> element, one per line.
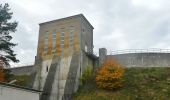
<point>102,55</point>
<point>65,48</point>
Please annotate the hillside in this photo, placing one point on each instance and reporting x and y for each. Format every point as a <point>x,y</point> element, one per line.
<point>139,84</point>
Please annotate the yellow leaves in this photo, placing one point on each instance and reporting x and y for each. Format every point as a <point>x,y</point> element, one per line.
<point>109,75</point>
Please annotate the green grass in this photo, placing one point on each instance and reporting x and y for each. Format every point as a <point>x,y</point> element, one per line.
<point>139,84</point>
<point>22,80</point>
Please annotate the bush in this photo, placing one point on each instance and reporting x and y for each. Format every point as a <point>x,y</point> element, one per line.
<point>109,75</point>
<point>87,73</point>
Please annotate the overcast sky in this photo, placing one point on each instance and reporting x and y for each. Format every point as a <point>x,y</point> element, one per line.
<point>118,24</point>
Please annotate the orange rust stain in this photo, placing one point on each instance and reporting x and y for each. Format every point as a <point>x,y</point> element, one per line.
<point>66,43</point>
<point>58,48</point>
<point>76,43</point>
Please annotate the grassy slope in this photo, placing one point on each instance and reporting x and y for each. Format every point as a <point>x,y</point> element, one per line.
<point>22,80</point>
<point>139,84</point>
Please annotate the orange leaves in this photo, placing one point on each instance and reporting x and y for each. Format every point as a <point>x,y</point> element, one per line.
<point>109,75</point>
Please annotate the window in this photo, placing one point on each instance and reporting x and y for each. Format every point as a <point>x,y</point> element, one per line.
<point>46,41</point>
<point>53,39</point>
<point>62,45</point>
<point>83,30</point>
<point>62,34</point>
<point>54,34</point>
<point>62,39</point>
<point>71,41</point>
<point>71,32</point>
<point>62,42</point>
<point>71,37</point>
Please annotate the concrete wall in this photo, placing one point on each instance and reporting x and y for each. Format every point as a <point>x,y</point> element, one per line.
<point>72,81</point>
<point>143,59</point>
<point>46,64</point>
<point>51,86</point>
<point>24,70</point>
<point>86,61</point>
<point>12,93</point>
<point>86,36</point>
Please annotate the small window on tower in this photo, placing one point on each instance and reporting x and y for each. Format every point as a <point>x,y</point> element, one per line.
<point>46,68</point>
<point>83,30</point>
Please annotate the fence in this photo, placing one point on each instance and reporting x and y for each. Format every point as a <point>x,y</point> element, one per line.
<point>151,50</point>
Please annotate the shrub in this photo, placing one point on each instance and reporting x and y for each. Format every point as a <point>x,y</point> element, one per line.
<point>87,73</point>
<point>109,75</point>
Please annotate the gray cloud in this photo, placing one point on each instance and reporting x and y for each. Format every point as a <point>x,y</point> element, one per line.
<point>119,24</point>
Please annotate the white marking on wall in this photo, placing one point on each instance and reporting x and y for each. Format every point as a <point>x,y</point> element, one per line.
<point>63,73</point>
<point>44,72</point>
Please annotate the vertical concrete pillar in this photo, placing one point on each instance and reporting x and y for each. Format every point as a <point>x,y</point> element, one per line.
<point>102,55</point>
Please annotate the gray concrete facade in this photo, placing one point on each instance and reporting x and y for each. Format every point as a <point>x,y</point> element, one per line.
<point>140,59</point>
<point>24,70</point>
<point>102,55</point>
<point>143,59</point>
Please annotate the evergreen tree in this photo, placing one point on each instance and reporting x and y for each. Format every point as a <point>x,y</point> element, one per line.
<point>6,27</point>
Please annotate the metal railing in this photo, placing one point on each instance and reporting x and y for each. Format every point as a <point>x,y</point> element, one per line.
<point>150,50</point>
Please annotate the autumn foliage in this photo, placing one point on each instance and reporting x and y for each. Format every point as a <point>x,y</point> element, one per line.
<point>109,75</point>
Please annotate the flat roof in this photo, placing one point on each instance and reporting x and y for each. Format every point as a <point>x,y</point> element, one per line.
<point>79,15</point>
<point>19,87</point>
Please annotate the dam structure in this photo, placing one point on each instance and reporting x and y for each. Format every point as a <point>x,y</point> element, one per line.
<point>138,57</point>
<point>65,49</point>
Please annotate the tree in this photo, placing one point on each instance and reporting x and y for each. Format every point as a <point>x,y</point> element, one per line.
<point>7,27</point>
<point>2,75</point>
<point>109,75</point>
